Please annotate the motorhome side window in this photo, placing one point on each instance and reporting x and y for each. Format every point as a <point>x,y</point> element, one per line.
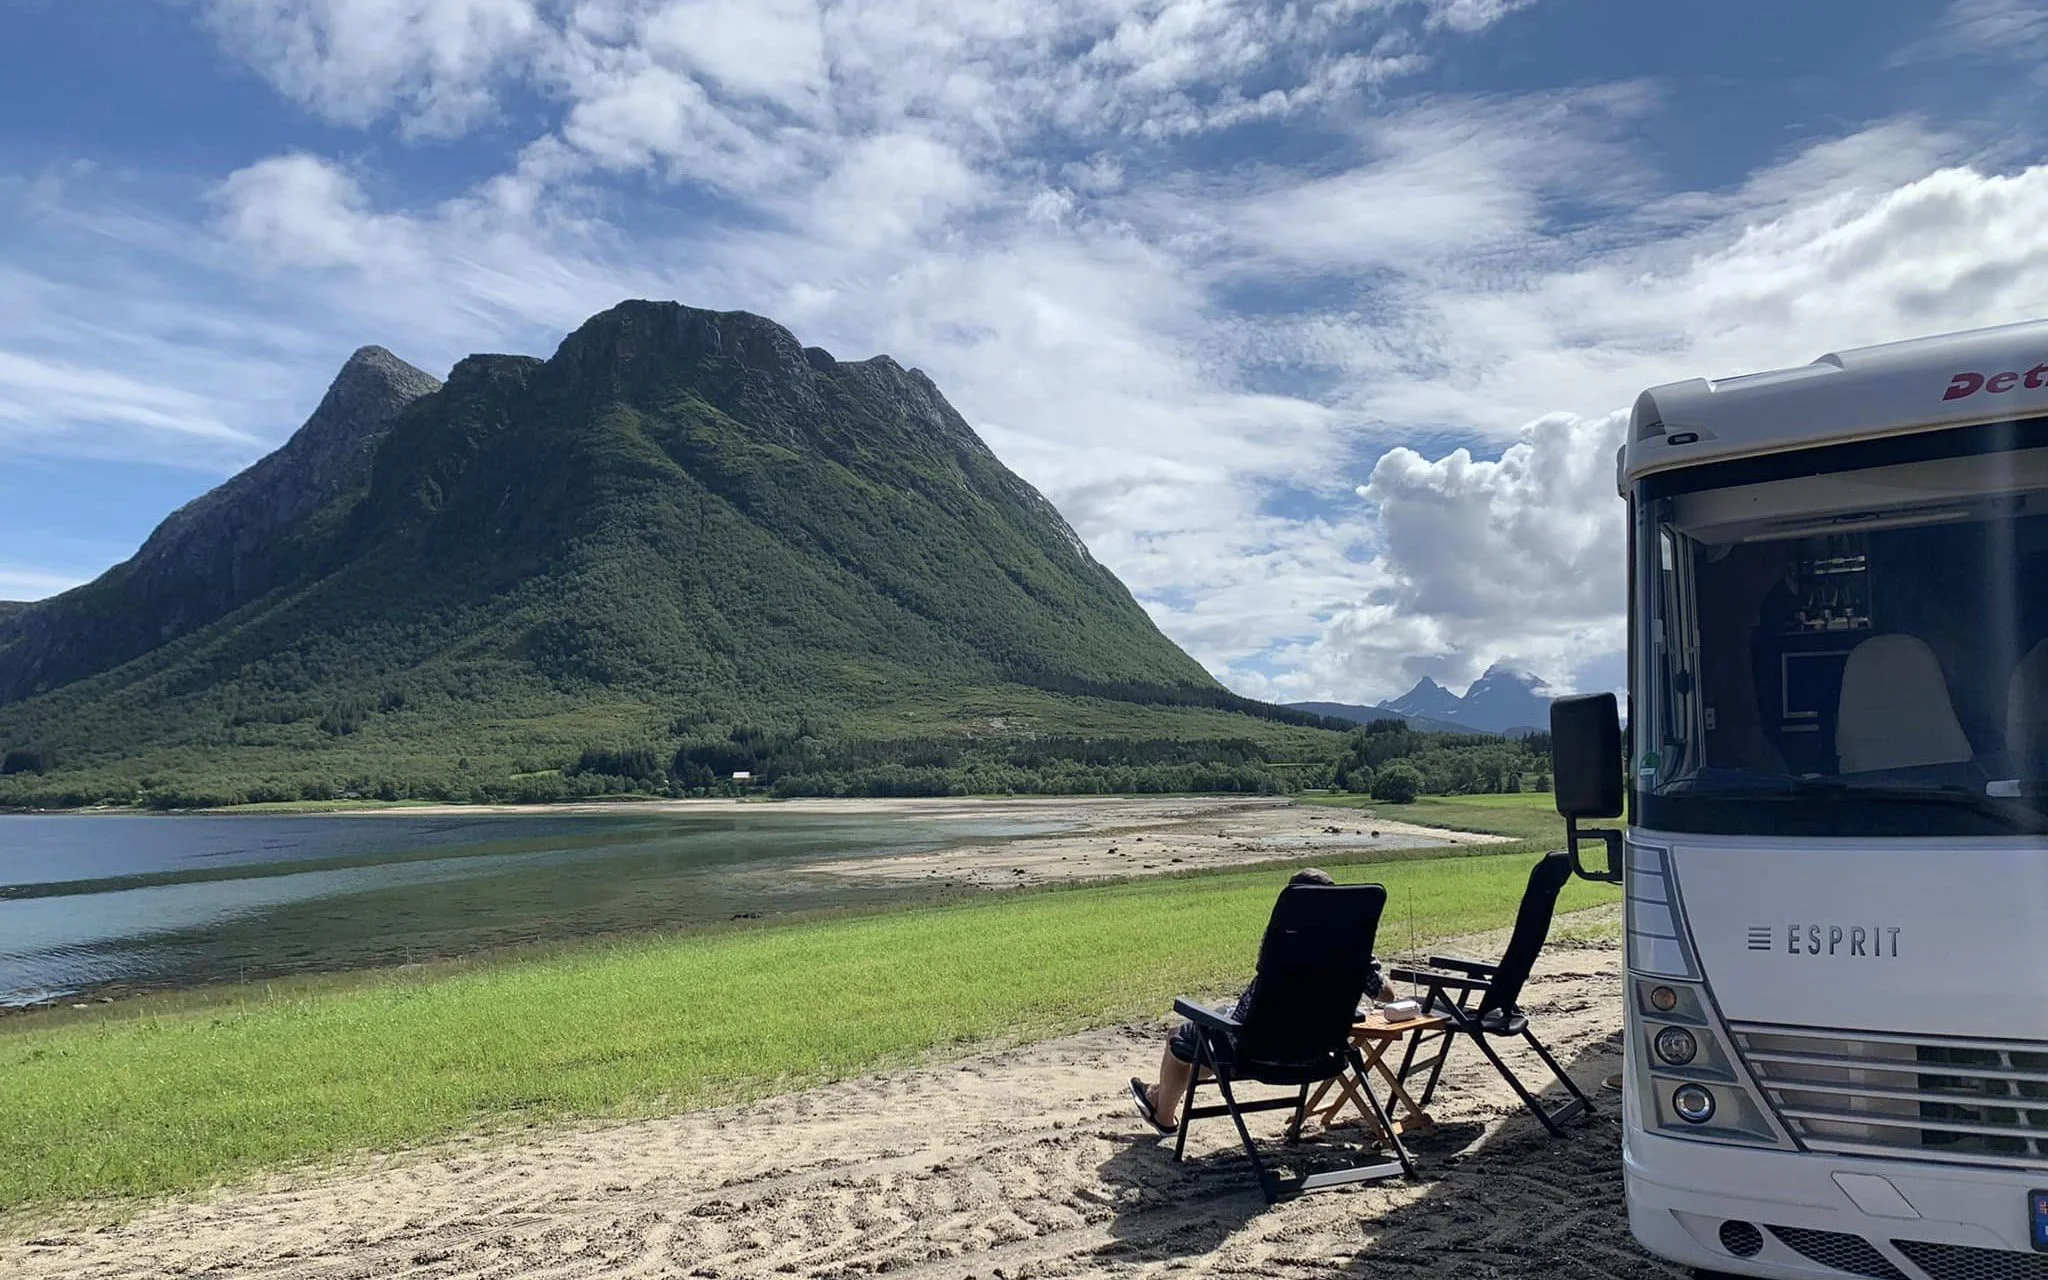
<point>1874,636</point>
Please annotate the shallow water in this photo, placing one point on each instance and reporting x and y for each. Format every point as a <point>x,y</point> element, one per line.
<point>92,902</point>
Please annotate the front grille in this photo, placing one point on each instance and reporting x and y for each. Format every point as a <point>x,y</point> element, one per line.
<point>1839,1250</point>
<point>1873,1093</point>
<point>1963,1262</point>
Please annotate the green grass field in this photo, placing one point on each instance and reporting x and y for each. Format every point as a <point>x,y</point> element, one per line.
<point>149,1100</point>
<point>1527,815</point>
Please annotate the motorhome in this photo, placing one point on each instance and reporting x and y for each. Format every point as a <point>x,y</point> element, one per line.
<point>1835,793</point>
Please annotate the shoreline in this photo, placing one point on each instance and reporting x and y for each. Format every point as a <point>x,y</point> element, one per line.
<point>617,805</point>
<point>1091,840</point>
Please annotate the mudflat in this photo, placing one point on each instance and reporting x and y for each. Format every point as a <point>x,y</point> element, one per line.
<point>1138,837</point>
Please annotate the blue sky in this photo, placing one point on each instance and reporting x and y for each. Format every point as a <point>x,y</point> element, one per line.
<point>1313,318</point>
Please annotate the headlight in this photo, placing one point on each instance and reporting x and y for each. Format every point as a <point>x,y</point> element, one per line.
<point>1676,1046</point>
<point>1693,1104</point>
<point>1663,999</point>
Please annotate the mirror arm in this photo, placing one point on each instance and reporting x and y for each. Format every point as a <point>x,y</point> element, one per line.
<point>1611,874</point>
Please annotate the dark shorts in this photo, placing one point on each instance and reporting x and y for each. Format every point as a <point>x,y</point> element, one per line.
<point>1186,1044</point>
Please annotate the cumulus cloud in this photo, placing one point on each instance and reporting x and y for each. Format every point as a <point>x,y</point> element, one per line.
<point>1000,69</point>
<point>1519,559</point>
<point>354,61</point>
<point>1513,559</point>
<point>302,211</point>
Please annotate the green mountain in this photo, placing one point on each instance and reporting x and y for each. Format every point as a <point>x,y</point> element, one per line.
<point>685,544</point>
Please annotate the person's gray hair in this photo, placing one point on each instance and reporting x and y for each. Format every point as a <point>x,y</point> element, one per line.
<point>1311,875</point>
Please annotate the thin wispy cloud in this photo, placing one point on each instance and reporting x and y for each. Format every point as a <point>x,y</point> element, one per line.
<point>1995,30</point>
<point>17,583</point>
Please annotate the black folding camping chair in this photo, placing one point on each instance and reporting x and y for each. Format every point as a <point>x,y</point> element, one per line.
<point>1450,985</point>
<point>1295,1031</point>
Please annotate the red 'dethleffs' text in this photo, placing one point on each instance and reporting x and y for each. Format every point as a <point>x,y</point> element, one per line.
<point>1969,384</point>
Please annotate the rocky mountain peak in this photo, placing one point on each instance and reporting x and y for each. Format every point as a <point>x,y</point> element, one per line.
<point>371,388</point>
<point>1427,698</point>
<point>1502,679</point>
<point>223,548</point>
<point>638,331</point>
<point>328,454</point>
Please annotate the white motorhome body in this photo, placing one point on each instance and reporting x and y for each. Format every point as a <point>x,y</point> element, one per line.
<point>1836,850</point>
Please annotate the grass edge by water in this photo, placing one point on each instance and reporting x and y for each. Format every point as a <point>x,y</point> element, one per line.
<point>108,1092</point>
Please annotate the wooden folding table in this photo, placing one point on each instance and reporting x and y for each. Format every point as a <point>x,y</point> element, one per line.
<point>1375,1038</point>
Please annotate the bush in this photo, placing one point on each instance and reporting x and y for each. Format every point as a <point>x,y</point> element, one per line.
<point>1398,783</point>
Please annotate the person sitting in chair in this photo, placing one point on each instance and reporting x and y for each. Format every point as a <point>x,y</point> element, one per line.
<point>1159,1104</point>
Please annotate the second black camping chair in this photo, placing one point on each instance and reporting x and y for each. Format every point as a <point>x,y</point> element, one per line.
<point>1449,986</point>
<point>1295,1030</point>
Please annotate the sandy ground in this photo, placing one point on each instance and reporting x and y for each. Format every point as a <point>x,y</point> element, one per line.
<point>1117,837</point>
<point>1011,1165</point>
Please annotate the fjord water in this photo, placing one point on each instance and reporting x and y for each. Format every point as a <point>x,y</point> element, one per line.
<point>92,902</point>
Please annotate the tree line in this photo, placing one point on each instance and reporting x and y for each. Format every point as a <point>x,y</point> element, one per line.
<point>700,755</point>
<point>1386,760</point>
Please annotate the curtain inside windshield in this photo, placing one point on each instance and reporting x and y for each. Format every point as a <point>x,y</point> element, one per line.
<point>1883,630</point>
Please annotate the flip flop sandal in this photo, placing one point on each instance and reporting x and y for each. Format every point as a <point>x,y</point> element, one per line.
<point>1145,1106</point>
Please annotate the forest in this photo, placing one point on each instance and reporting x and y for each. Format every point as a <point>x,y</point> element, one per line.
<point>701,757</point>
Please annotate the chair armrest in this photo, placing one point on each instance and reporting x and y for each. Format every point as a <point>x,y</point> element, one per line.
<point>1471,967</point>
<point>1203,1016</point>
<point>1425,978</point>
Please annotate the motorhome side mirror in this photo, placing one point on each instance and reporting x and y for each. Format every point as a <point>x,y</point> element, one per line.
<point>1585,755</point>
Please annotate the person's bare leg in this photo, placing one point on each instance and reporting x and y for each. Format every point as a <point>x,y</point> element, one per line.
<point>1172,1087</point>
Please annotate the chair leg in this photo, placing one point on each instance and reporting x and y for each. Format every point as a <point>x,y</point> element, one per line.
<point>1436,1068</point>
<point>1529,1100</point>
<point>1266,1182</point>
<point>1300,1115</point>
<point>1380,1115</point>
<point>1580,1103</point>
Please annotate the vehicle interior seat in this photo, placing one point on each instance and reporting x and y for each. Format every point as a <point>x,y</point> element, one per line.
<point>2026,709</point>
<point>1895,710</point>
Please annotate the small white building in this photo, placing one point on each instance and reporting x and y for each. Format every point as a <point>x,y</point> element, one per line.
<point>743,776</point>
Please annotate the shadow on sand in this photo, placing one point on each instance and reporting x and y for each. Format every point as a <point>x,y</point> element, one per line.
<point>1494,1194</point>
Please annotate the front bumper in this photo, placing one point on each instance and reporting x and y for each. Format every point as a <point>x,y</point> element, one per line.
<point>1680,1194</point>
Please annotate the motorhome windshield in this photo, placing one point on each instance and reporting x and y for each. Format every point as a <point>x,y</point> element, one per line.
<point>1845,651</point>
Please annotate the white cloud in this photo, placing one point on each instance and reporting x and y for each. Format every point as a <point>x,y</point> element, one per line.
<point>43,396</point>
<point>2002,30</point>
<point>769,50</point>
<point>1516,559</point>
<point>634,70</point>
<point>1520,559</point>
<point>1436,183</point>
<point>301,211</point>
<point>1474,15</point>
<point>352,61</point>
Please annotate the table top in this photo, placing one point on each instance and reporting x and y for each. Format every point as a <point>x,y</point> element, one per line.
<point>1375,1024</point>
